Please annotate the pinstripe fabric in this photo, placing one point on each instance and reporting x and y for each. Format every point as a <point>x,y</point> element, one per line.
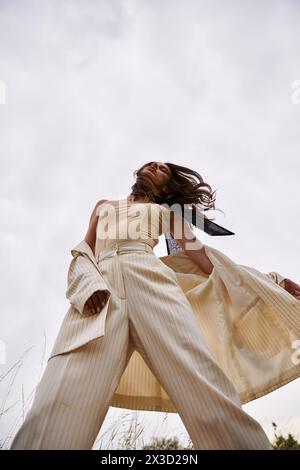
<point>169,339</point>
<point>76,389</point>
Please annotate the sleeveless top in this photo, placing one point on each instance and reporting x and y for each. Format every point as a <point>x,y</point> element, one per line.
<point>120,220</point>
<point>138,221</point>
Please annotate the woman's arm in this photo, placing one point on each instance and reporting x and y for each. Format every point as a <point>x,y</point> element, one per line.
<point>191,245</point>
<point>90,237</point>
<point>96,301</point>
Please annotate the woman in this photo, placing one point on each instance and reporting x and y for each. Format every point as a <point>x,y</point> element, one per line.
<point>185,333</point>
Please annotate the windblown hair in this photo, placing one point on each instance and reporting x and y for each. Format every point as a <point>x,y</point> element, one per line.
<point>186,187</point>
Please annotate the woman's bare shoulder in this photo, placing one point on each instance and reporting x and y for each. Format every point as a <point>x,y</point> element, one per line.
<point>101,202</point>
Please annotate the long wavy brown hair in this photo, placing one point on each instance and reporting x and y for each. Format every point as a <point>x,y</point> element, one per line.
<point>186,186</point>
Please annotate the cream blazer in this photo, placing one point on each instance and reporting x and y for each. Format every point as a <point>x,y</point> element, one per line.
<point>251,324</point>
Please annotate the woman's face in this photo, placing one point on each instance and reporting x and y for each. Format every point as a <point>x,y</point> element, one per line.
<point>159,172</point>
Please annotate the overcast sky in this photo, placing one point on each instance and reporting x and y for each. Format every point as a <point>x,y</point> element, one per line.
<point>94,89</point>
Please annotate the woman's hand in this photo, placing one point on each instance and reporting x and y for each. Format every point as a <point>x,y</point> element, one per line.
<point>97,301</point>
<point>292,288</point>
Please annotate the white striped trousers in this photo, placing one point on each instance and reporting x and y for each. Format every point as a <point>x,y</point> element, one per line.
<point>148,312</point>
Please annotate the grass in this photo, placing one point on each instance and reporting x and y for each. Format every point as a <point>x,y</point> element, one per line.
<point>125,433</point>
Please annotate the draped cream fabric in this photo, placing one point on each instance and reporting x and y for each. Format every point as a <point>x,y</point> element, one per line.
<point>251,324</point>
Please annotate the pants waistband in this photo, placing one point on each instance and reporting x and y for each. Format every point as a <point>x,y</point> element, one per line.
<point>125,246</point>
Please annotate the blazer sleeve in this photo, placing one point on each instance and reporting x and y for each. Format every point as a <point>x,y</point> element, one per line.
<point>83,280</point>
<point>276,277</point>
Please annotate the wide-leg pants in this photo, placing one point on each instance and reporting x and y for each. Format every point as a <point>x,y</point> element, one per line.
<point>148,312</point>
